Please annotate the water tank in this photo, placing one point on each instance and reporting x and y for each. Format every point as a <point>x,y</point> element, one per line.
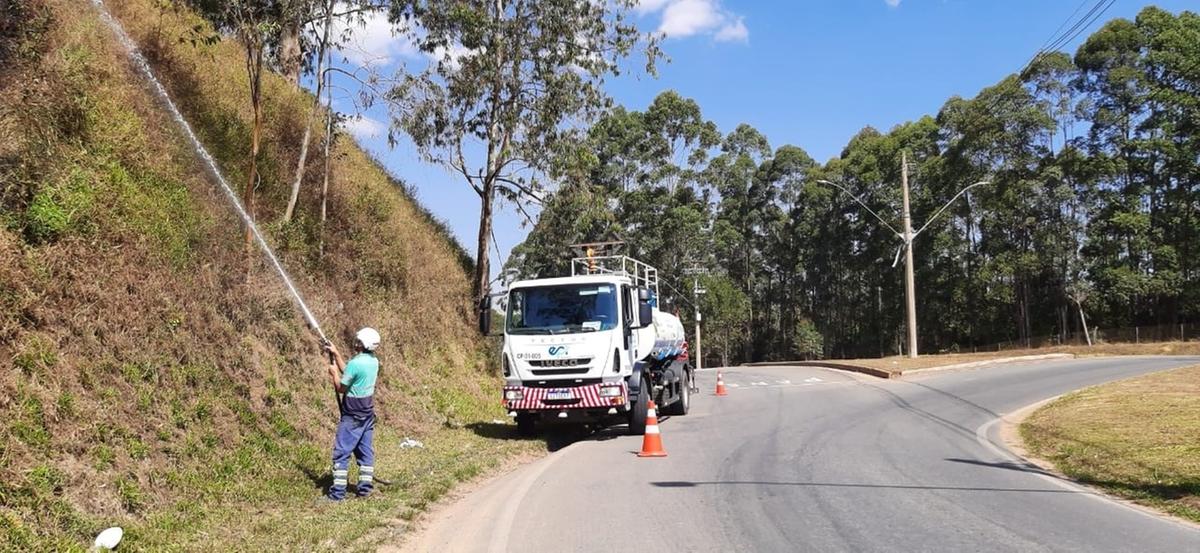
<point>668,336</point>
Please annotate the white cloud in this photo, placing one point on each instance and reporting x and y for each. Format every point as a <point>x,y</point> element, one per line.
<point>735,31</point>
<point>364,128</point>
<point>372,40</point>
<point>892,3</point>
<point>688,17</point>
<point>649,6</point>
<point>452,56</point>
<point>683,18</point>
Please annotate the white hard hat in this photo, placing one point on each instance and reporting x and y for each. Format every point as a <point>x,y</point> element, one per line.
<point>369,338</point>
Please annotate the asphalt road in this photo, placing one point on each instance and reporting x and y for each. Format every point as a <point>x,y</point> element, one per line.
<point>807,459</point>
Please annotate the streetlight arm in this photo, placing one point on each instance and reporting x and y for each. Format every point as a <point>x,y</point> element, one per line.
<point>943,208</point>
<point>865,206</point>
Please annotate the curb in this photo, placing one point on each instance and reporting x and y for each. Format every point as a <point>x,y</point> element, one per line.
<point>987,362</point>
<point>878,373</point>
<point>886,374</point>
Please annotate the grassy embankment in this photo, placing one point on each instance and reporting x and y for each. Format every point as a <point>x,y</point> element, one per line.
<point>1137,438</point>
<point>153,374</point>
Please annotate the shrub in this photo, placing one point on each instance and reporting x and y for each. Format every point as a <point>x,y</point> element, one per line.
<point>46,479</point>
<point>46,219</point>
<point>130,494</point>
<point>65,405</point>
<point>60,208</point>
<point>37,357</point>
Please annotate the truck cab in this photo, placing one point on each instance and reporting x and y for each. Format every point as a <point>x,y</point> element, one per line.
<point>591,348</point>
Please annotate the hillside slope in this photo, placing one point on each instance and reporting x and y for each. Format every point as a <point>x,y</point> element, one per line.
<point>154,373</point>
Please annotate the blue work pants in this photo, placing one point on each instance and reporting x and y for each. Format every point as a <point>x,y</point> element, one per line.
<point>354,436</point>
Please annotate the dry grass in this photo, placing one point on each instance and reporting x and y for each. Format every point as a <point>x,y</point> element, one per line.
<point>152,375</point>
<point>902,363</point>
<point>1137,438</point>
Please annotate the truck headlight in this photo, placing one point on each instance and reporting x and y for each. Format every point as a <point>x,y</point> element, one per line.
<point>610,391</point>
<point>514,395</point>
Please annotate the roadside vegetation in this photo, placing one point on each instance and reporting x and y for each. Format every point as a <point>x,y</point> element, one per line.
<point>1089,215</point>
<point>1137,438</point>
<point>153,375</point>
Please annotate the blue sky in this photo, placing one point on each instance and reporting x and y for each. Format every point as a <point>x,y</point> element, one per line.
<point>808,73</point>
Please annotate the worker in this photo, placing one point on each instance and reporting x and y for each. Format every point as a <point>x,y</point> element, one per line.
<point>356,427</point>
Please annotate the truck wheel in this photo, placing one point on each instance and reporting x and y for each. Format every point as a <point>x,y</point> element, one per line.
<point>637,415</point>
<point>525,424</point>
<point>684,403</point>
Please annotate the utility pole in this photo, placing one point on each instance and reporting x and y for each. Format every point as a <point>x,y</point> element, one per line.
<point>906,236</point>
<point>910,285</point>
<point>696,292</point>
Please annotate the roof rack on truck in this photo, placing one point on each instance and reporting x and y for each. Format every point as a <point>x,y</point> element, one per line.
<point>640,273</point>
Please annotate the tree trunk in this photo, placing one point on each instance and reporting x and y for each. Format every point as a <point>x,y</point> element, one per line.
<point>290,54</point>
<point>325,184</point>
<point>254,66</point>
<point>312,115</point>
<point>482,269</point>
<point>748,350</point>
<point>1083,321</point>
<point>487,192</point>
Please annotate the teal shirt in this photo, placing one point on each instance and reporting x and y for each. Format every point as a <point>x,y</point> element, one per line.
<point>359,377</point>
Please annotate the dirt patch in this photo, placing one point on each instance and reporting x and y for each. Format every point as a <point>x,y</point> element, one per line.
<point>399,532</point>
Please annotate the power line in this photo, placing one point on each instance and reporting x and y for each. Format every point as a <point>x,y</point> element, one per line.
<point>1082,24</point>
<point>1053,44</point>
<point>1060,27</point>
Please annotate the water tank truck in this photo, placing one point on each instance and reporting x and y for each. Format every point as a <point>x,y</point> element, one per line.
<point>591,348</point>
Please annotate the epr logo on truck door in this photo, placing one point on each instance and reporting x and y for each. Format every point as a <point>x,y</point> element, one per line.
<point>557,351</point>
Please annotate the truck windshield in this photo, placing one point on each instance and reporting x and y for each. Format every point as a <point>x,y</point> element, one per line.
<point>562,309</point>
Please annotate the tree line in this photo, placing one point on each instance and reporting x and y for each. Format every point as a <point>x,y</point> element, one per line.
<point>1091,214</point>
<point>1089,217</point>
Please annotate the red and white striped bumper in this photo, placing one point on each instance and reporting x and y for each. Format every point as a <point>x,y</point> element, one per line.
<point>582,397</point>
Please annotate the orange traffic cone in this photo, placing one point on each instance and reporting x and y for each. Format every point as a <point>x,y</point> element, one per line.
<point>721,385</point>
<point>652,440</point>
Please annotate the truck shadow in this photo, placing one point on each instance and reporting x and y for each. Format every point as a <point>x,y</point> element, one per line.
<point>555,437</point>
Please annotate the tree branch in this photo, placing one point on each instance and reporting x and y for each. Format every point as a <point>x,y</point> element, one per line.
<point>529,192</point>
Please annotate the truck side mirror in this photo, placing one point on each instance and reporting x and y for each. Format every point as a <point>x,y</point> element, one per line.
<point>645,314</point>
<point>645,308</point>
<point>485,316</point>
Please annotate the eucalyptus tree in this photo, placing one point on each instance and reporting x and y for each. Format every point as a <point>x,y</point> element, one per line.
<point>744,212</point>
<point>508,83</point>
<point>255,24</point>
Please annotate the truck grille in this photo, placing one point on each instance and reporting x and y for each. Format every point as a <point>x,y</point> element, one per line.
<point>555,372</point>
<point>571,383</point>
<point>553,363</point>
